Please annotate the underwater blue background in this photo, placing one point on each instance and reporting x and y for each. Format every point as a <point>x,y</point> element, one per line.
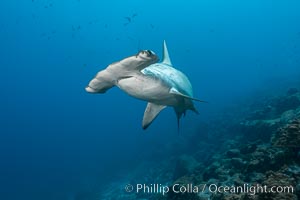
<point>56,139</point>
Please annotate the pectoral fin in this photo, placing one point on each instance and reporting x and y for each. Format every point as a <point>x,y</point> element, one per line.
<point>175,91</point>
<point>151,112</point>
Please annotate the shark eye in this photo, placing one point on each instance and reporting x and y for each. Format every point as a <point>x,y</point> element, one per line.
<point>147,53</point>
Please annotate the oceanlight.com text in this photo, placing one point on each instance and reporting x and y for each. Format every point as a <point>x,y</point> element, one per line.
<point>204,188</point>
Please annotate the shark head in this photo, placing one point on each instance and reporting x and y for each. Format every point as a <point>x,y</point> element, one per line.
<point>107,78</point>
<point>142,59</point>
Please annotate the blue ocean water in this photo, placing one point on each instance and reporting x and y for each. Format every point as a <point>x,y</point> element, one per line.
<point>57,140</point>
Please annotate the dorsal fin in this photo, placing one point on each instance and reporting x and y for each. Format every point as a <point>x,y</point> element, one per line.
<point>166,57</point>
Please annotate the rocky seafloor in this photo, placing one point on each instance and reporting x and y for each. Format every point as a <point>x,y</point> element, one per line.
<point>255,146</point>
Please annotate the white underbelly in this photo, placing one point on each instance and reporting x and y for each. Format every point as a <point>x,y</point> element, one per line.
<point>148,89</point>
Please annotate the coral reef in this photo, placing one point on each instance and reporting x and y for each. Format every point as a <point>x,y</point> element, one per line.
<point>267,153</point>
<point>185,165</point>
<point>259,129</point>
<point>279,180</point>
<point>259,148</point>
<point>288,136</point>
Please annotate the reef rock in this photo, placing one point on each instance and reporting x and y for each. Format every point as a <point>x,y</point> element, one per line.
<point>248,148</point>
<point>185,165</point>
<point>233,153</point>
<point>285,103</point>
<point>259,129</point>
<point>292,91</point>
<point>288,136</point>
<point>280,180</point>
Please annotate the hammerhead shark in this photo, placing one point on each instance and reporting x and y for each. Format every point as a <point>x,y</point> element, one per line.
<point>142,77</point>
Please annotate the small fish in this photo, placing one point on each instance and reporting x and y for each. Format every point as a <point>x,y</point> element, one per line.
<point>128,18</point>
<point>74,28</point>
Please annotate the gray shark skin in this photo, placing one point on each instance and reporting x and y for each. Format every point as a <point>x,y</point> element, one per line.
<point>140,76</point>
